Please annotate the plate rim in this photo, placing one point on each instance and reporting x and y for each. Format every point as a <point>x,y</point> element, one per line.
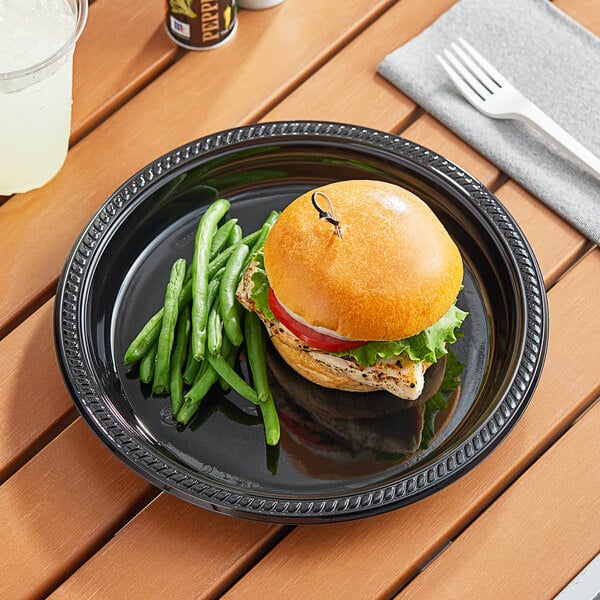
<point>95,406</point>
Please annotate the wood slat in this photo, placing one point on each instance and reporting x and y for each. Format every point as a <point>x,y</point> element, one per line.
<point>197,554</point>
<point>364,98</point>
<point>517,552</point>
<point>109,69</point>
<point>555,243</point>
<point>202,93</point>
<point>430,133</point>
<point>60,507</point>
<point>373,558</point>
<point>585,12</point>
<point>34,401</point>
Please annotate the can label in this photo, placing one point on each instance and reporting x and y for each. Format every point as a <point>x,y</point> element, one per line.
<point>200,24</point>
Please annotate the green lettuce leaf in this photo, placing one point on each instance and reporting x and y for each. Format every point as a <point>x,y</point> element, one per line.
<point>260,291</point>
<point>428,345</point>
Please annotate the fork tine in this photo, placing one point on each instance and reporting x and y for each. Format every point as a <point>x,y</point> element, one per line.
<point>481,75</point>
<point>467,92</point>
<point>467,76</point>
<point>484,64</point>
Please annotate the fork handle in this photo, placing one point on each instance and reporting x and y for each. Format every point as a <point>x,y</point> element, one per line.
<point>552,129</point>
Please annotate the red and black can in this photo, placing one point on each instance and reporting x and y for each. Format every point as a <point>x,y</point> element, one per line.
<point>201,24</point>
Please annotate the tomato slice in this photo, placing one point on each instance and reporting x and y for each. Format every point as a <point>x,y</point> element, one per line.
<point>307,334</point>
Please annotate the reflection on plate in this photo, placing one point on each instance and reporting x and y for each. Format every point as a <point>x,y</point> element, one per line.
<point>333,434</point>
<point>114,280</point>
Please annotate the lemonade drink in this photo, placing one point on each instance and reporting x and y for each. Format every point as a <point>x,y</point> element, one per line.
<point>37,39</point>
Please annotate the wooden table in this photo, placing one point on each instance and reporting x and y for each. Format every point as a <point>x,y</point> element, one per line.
<point>78,524</point>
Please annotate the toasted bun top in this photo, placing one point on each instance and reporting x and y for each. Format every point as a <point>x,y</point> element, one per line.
<point>395,272</point>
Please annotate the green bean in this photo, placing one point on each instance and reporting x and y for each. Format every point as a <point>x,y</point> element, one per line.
<point>204,236</point>
<point>214,330</point>
<point>235,237</point>
<point>160,384</point>
<point>222,237</point>
<point>144,340</point>
<point>272,217</point>
<point>250,238</point>
<point>190,371</point>
<point>221,259</point>
<point>182,335</point>
<point>147,364</point>
<point>225,370</point>
<point>207,377</point>
<point>227,299</point>
<point>256,350</point>
<point>192,366</point>
<point>270,420</point>
<point>151,330</point>
<point>262,236</point>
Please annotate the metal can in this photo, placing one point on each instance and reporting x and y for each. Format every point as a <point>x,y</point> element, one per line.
<point>201,24</point>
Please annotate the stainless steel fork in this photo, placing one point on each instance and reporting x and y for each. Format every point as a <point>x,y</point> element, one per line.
<point>491,93</point>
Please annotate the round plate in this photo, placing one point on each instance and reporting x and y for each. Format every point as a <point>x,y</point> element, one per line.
<point>114,280</point>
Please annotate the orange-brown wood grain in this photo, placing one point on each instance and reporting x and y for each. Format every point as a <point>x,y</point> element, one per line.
<point>202,93</point>
<point>430,133</point>
<point>585,12</point>
<point>34,401</point>
<point>60,507</point>
<point>348,87</point>
<point>375,557</point>
<point>517,548</point>
<point>556,244</point>
<point>192,554</point>
<point>75,517</point>
<point>108,69</point>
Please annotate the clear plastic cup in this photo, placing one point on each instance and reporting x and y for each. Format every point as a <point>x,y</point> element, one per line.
<point>36,74</point>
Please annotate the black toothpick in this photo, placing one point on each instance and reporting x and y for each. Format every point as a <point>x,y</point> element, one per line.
<point>327,215</point>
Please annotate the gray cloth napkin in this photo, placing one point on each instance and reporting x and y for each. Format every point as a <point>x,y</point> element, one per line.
<point>552,60</point>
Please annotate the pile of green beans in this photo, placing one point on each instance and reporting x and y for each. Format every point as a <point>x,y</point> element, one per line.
<point>193,341</point>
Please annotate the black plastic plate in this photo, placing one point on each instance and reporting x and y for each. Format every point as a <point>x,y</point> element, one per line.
<point>114,280</point>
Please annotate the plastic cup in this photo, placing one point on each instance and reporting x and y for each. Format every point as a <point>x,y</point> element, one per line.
<point>36,96</point>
